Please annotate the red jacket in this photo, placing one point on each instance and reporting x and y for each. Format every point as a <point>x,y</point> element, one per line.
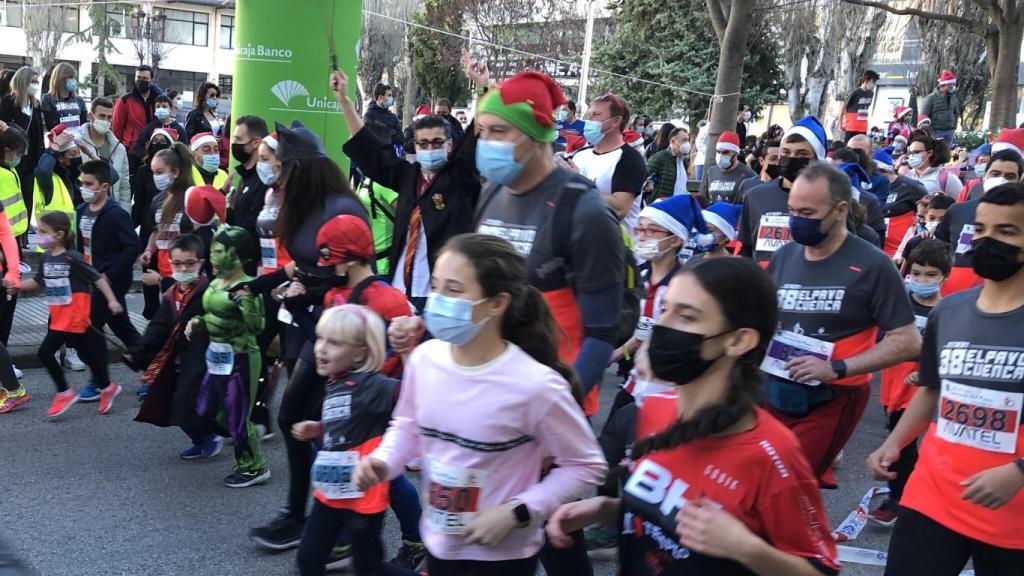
<point>131,114</point>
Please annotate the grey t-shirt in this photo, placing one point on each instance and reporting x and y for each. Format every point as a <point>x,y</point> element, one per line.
<point>725,185</point>
<point>596,253</point>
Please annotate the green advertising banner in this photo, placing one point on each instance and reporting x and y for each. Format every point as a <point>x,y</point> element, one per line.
<point>283,62</point>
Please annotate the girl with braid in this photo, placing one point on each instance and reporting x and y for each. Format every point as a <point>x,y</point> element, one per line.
<point>716,485</point>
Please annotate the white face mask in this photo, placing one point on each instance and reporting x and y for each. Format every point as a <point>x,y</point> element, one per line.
<point>931,226</point>
<point>648,250</point>
<point>101,126</point>
<point>991,183</point>
<point>684,148</point>
<point>746,116</point>
<point>34,88</point>
<point>644,388</point>
<point>88,195</point>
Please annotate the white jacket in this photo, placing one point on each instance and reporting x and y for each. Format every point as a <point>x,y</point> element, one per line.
<point>122,190</point>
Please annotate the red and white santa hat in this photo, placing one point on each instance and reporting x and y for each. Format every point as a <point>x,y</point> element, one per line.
<point>421,111</point>
<point>198,140</point>
<point>633,138</point>
<point>947,77</point>
<point>1010,139</point>
<point>164,133</point>
<point>729,141</point>
<point>902,111</point>
<point>205,204</point>
<point>923,119</point>
<point>271,141</point>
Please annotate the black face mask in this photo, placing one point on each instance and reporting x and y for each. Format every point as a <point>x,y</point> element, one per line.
<point>156,147</point>
<point>791,167</point>
<point>994,260</point>
<point>773,171</point>
<point>74,165</point>
<point>675,355</point>
<point>143,85</point>
<point>240,153</point>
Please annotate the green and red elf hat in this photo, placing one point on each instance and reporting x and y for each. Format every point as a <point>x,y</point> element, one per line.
<point>528,102</point>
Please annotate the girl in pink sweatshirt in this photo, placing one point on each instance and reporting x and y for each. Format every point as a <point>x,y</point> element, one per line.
<point>484,403</point>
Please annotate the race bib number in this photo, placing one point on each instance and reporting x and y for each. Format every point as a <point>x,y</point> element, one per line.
<point>643,328</point>
<point>787,345</point>
<point>71,120</point>
<point>773,233</point>
<point>220,358</point>
<point>920,322</point>
<point>890,199</point>
<point>963,242</point>
<point>268,252</point>
<point>86,228</point>
<point>332,474</point>
<point>979,418</point>
<point>58,291</point>
<point>283,315</point>
<point>454,497</point>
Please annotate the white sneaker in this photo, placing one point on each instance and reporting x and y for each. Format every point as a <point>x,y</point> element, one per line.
<point>72,361</point>
<point>18,373</point>
<point>414,465</point>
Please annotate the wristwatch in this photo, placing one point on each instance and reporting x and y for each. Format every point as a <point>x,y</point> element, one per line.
<point>522,514</point>
<point>481,90</point>
<point>839,367</point>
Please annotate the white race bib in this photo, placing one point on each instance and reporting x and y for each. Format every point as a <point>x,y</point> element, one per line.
<point>980,418</point>
<point>786,345</point>
<point>773,233</point>
<point>58,291</point>
<point>920,322</point>
<point>963,242</point>
<point>643,328</point>
<point>268,252</point>
<point>86,227</point>
<point>332,474</point>
<point>454,497</point>
<point>284,316</point>
<point>220,358</point>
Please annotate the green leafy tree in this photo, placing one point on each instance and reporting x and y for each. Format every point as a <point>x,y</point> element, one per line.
<point>675,44</point>
<point>436,57</point>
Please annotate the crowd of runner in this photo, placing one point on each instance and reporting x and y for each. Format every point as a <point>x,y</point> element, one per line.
<point>455,312</point>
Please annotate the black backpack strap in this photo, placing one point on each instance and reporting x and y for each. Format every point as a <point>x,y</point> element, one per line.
<point>376,204</point>
<point>355,296</point>
<point>561,220</point>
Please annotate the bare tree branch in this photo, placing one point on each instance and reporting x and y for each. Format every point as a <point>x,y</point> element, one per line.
<point>976,27</point>
<point>718,19</point>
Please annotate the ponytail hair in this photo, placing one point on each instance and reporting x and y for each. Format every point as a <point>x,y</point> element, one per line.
<point>528,322</point>
<point>176,157</point>
<point>746,296</point>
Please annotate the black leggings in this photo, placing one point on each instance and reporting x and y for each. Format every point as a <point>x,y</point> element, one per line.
<point>7,377</point>
<point>522,567</point>
<point>321,533</point>
<point>302,400</point>
<point>91,349</point>
<point>947,551</point>
<point>903,465</point>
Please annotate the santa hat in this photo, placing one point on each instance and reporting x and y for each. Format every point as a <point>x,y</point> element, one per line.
<point>947,77</point>
<point>923,119</point>
<point>725,217</point>
<point>729,141</point>
<point>421,111</point>
<point>271,141</point>
<point>883,160</point>
<point>164,133</point>
<point>1010,139</point>
<point>810,129</point>
<point>633,138</point>
<point>344,238</point>
<point>204,205</point>
<point>528,102</point>
<point>902,111</point>
<point>574,143</point>
<point>679,215</point>
<point>56,131</point>
<point>200,139</point>
<point>903,135</point>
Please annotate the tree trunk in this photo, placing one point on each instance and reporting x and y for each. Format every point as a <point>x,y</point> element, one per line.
<point>1004,50</point>
<point>729,78</point>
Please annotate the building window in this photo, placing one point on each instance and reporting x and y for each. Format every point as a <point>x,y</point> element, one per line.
<point>11,14</point>
<point>225,82</point>
<point>183,27</point>
<point>227,32</point>
<point>119,20</point>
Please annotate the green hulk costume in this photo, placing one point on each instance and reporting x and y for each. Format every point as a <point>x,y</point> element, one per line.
<point>233,322</point>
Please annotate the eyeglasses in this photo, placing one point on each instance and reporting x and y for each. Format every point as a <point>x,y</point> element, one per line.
<point>436,144</point>
<point>644,231</point>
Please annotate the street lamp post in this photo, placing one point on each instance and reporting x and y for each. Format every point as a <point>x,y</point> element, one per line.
<point>149,31</point>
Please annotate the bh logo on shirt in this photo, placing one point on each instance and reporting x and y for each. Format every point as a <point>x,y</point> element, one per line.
<point>797,298</point>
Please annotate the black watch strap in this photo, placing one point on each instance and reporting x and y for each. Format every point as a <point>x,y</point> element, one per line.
<point>839,367</point>
<point>1020,464</point>
<point>522,513</point>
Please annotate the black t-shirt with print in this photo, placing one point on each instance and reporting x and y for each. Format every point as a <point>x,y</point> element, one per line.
<point>764,222</point>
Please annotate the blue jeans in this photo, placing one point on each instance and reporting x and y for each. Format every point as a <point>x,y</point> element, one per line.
<point>700,171</point>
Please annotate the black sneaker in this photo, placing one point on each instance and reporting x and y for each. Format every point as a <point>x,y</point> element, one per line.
<point>281,533</point>
<point>411,555</point>
<point>240,479</point>
<point>341,557</point>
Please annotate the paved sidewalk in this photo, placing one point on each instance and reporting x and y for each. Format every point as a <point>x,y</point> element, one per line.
<point>30,321</point>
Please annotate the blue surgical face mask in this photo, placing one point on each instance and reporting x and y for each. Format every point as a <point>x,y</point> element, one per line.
<point>592,131</point>
<point>14,161</point>
<point>161,113</point>
<point>915,160</point>
<point>979,170</point>
<point>432,160</point>
<point>496,161</point>
<point>451,319</point>
<point>723,161</point>
<point>389,101</point>
<point>185,277</point>
<point>265,170</point>
<point>162,181</point>
<point>924,289</point>
<point>563,115</point>
<point>211,103</point>
<point>211,162</point>
<point>71,85</point>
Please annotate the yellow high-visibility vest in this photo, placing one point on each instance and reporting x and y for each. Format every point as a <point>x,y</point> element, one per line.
<point>219,179</point>
<point>12,201</point>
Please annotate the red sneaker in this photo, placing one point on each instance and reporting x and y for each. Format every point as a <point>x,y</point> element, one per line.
<point>62,401</point>
<point>107,397</point>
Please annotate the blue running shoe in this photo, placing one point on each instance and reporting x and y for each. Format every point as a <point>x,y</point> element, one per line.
<point>142,391</point>
<point>208,448</point>
<point>193,452</point>
<point>90,393</point>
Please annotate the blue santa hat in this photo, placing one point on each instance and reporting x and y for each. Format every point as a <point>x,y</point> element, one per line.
<point>679,215</point>
<point>859,178</point>
<point>725,217</point>
<point>810,129</point>
<point>883,159</point>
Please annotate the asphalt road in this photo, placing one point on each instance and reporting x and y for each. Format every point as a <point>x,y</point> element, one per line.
<point>102,495</point>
